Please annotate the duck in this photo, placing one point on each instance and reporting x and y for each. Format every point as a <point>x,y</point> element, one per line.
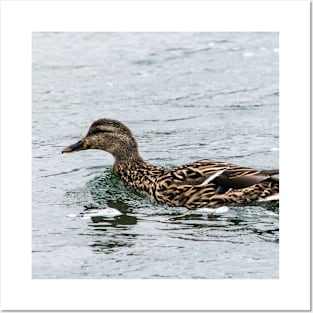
<point>201,184</point>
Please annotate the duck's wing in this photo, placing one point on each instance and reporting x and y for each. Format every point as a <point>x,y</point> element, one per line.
<point>239,178</point>
<point>223,174</point>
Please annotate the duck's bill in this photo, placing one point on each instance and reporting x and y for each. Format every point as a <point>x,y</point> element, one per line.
<point>80,145</point>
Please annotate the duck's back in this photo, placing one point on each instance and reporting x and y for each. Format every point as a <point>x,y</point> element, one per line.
<point>199,184</point>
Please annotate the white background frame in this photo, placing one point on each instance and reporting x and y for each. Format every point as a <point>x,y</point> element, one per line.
<point>19,19</point>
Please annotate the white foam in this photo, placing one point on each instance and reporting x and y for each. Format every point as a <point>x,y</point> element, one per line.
<point>275,149</point>
<point>248,54</point>
<point>110,84</point>
<point>71,215</point>
<point>222,209</point>
<point>108,212</point>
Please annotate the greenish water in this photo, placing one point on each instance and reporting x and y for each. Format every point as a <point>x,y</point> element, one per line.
<point>185,96</point>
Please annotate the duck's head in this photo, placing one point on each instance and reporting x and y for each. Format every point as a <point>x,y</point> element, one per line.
<point>108,135</point>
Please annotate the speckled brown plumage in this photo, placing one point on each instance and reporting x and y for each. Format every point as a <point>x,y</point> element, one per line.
<point>204,183</point>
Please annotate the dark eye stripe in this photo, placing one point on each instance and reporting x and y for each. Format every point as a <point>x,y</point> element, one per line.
<point>98,130</point>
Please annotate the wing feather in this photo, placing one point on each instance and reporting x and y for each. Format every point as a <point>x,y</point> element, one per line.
<point>223,174</point>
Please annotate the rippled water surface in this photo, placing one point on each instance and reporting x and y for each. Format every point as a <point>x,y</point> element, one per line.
<point>185,96</point>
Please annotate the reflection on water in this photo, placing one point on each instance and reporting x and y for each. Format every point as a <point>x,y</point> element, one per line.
<point>119,221</point>
<point>253,221</point>
<point>111,233</point>
<point>109,242</point>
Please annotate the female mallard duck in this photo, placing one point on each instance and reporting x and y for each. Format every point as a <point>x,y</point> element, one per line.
<point>200,184</point>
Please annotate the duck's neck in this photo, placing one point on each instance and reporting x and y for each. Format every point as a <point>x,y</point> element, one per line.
<point>133,165</point>
<point>138,174</point>
<point>125,149</point>
<point>128,161</point>
<point>129,156</point>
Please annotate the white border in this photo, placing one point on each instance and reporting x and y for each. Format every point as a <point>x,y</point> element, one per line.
<point>19,19</point>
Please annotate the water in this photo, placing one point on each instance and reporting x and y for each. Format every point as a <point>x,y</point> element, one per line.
<point>185,96</point>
